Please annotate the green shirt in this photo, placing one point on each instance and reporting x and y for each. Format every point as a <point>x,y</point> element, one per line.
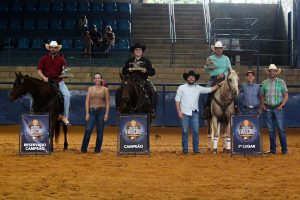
<point>273,91</point>
<point>222,63</point>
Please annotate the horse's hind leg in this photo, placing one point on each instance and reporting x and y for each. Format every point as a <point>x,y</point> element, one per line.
<point>209,132</point>
<point>65,129</point>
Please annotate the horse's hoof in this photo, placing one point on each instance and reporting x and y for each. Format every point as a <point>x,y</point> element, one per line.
<point>215,151</point>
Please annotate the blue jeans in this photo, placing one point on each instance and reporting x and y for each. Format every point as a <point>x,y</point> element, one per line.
<point>193,122</point>
<point>275,118</point>
<point>96,117</point>
<point>248,111</point>
<point>67,97</point>
<point>205,96</point>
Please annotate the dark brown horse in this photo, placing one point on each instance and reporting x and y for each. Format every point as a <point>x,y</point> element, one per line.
<point>133,96</point>
<point>45,100</point>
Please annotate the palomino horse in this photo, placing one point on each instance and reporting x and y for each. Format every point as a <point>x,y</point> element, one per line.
<point>222,107</point>
<point>45,99</point>
<point>133,97</point>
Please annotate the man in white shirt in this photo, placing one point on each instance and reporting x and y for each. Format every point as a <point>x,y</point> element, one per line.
<point>187,99</point>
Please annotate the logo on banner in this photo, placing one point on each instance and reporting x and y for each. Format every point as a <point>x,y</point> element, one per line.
<point>246,130</point>
<point>133,130</point>
<point>36,130</point>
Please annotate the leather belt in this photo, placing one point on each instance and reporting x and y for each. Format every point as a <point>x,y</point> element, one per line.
<point>271,106</point>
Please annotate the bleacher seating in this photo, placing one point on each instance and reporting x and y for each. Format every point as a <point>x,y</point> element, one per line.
<point>97,7</point>
<point>4,5</point>
<point>55,24</point>
<point>15,23</point>
<point>57,6</point>
<point>27,23</point>
<point>69,24</point>
<point>71,6</point>
<point>42,23</point>
<point>37,43</point>
<point>44,6</point>
<point>23,43</point>
<point>3,24</point>
<point>67,43</point>
<point>30,6</point>
<point>16,6</point>
<point>84,7</point>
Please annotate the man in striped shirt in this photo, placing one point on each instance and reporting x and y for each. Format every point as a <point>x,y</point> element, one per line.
<point>274,96</point>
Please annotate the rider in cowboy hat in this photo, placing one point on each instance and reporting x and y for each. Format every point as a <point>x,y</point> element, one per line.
<point>187,100</point>
<point>218,66</point>
<point>51,66</point>
<point>140,68</point>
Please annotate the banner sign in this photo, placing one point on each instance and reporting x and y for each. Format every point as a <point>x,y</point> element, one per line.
<point>34,134</point>
<point>134,134</point>
<point>246,134</point>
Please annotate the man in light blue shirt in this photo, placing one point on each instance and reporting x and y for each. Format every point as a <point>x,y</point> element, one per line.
<point>250,95</point>
<point>218,66</point>
<point>187,99</point>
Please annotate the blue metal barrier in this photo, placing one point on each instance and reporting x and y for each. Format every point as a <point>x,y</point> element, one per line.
<point>166,112</point>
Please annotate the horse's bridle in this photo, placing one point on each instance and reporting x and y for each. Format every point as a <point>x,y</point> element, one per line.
<point>225,105</point>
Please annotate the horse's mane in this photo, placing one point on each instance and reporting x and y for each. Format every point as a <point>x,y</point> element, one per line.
<point>36,80</point>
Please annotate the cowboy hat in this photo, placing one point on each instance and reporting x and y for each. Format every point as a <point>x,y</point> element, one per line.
<point>250,72</point>
<point>53,44</point>
<point>273,67</point>
<point>191,73</point>
<point>137,45</point>
<point>218,44</point>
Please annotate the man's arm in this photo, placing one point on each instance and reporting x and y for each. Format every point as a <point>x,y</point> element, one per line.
<point>179,113</point>
<point>40,73</point>
<point>285,99</point>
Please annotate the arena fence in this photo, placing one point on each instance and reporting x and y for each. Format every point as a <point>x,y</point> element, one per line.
<point>165,116</point>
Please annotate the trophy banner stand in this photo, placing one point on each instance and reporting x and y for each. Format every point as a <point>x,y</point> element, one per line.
<point>133,137</point>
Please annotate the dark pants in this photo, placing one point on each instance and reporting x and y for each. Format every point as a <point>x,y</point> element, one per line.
<point>96,117</point>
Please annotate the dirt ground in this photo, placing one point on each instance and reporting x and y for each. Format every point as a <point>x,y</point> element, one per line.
<point>166,174</point>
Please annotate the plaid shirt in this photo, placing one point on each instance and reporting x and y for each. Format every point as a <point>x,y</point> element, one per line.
<point>274,91</point>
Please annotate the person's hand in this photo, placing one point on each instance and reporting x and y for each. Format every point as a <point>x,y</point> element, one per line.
<point>87,117</point>
<point>144,70</point>
<point>220,76</point>
<point>105,117</point>
<point>280,107</point>
<point>209,61</point>
<point>45,79</point>
<point>221,83</point>
<point>180,115</point>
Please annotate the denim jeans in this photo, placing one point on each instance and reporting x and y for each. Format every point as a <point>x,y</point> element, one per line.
<point>275,118</point>
<point>205,96</point>
<point>193,122</point>
<point>67,97</point>
<point>96,117</point>
<point>248,111</point>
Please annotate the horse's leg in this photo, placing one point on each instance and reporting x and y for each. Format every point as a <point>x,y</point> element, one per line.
<point>215,133</point>
<point>209,132</point>
<point>228,138</point>
<point>65,129</point>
